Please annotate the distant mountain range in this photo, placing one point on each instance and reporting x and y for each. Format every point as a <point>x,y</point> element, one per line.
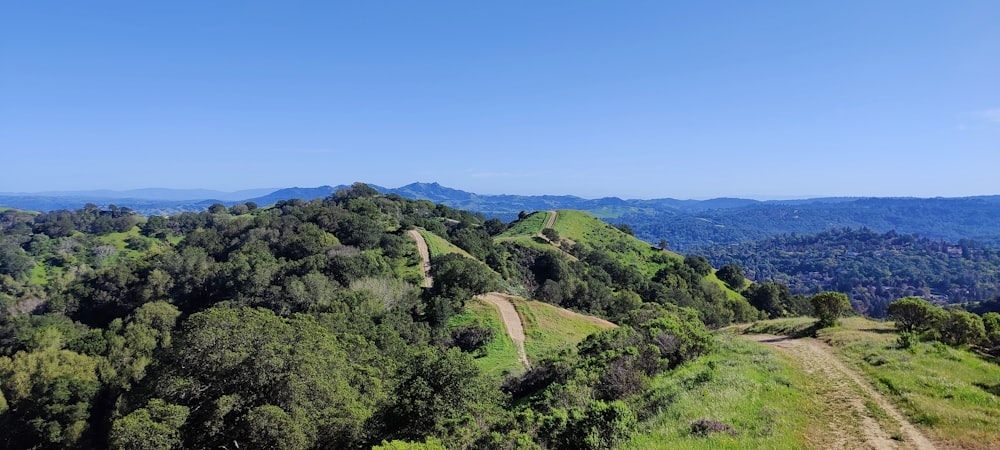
<point>686,225</point>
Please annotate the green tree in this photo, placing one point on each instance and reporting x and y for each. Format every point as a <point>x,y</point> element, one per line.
<point>912,314</point>
<point>51,390</point>
<point>732,274</point>
<point>155,427</point>
<point>991,327</point>
<point>700,264</point>
<point>963,328</point>
<point>828,307</point>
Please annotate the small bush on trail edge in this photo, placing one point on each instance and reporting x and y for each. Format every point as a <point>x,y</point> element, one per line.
<point>705,427</point>
<point>470,338</point>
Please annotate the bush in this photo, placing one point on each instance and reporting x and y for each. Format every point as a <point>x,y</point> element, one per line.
<point>830,306</point>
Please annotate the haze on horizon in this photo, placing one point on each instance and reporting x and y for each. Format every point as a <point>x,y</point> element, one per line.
<point>637,100</point>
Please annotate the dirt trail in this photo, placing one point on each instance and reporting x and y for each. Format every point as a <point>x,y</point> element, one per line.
<point>852,425</point>
<point>425,257</point>
<point>552,219</point>
<point>511,321</point>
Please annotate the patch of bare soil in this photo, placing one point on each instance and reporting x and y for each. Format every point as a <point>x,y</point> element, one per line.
<point>854,406</point>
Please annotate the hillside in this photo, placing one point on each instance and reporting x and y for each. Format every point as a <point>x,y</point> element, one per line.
<point>548,331</point>
<point>872,268</point>
<point>687,225</point>
<point>308,323</point>
<point>303,322</point>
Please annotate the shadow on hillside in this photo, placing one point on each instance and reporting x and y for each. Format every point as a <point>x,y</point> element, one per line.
<point>806,332</point>
<point>878,330</point>
<point>994,389</point>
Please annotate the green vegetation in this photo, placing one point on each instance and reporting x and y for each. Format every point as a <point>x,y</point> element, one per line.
<point>766,400</point>
<point>549,330</point>
<point>950,393</point>
<point>873,269</point>
<point>439,246</point>
<point>499,356</point>
<point>301,326</point>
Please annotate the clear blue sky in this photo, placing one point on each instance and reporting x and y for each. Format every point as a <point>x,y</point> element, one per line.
<point>592,98</point>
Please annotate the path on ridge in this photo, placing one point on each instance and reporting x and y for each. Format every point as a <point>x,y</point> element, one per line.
<point>511,321</point>
<point>552,219</point>
<point>425,257</point>
<point>852,425</point>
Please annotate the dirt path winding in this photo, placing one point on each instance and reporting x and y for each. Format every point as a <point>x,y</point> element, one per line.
<point>552,219</point>
<point>850,400</point>
<point>425,257</point>
<point>511,321</point>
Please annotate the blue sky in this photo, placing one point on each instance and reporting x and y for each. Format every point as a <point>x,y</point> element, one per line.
<point>629,99</point>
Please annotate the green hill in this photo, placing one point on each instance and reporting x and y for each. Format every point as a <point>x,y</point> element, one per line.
<point>582,251</point>
<point>548,330</point>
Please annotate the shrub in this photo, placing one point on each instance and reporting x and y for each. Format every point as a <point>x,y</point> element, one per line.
<point>830,306</point>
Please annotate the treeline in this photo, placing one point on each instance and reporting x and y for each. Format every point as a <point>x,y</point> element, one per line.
<point>300,326</point>
<point>872,268</point>
<point>919,320</point>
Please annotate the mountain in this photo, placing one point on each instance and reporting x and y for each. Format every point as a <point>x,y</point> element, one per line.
<point>686,225</point>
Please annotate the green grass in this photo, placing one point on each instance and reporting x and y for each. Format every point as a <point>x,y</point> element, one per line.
<point>549,329</point>
<point>437,246</point>
<point>765,398</point>
<point>527,227</point>
<point>500,356</point>
<point>951,394</point>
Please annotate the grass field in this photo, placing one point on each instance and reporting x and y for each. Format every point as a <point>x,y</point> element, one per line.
<point>953,395</point>
<point>529,226</point>
<point>765,398</point>
<point>549,329</point>
<point>437,246</point>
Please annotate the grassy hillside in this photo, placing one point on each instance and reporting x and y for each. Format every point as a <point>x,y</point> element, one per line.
<point>548,330</point>
<point>952,394</point>
<point>500,356</point>
<point>578,226</point>
<point>437,245</point>
<point>744,385</point>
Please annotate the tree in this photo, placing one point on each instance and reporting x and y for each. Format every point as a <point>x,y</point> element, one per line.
<point>830,306</point>
<point>155,427</point>
<point>911,314</point>
<point>550,234</point>
<point>700,264</point>
<point>732,274</point>
<point>51,391</point>
<point>991,326</point>
<point>963,328</point>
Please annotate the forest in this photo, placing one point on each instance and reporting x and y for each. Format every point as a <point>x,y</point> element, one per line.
<point>300,325</point>
<point>872,268</point>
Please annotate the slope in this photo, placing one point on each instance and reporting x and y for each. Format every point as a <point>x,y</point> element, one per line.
<point>546,330</point>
